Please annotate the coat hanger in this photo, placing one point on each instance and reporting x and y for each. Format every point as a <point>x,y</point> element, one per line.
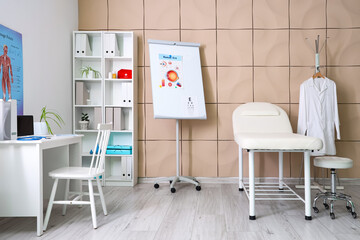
<point>318,75</point>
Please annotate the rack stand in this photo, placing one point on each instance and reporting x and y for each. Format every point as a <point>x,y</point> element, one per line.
<point>178,178</point>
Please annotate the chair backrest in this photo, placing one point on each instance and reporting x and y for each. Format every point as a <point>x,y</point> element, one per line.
<point>260,117</point>
<point>99,151</point>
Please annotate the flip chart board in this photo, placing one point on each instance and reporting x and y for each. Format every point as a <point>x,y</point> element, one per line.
<point>176,80</point>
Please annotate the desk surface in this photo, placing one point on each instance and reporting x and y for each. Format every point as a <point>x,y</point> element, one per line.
<point>53,141</point>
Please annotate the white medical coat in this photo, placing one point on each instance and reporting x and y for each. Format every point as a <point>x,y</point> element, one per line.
<point>318,113</point>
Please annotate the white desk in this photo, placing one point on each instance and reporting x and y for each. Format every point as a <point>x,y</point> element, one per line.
<point>24,179</point>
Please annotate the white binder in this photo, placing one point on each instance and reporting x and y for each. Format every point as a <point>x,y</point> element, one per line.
<point>129,94</point>
<point>124,93</point>
<point>82,46</point>
<point>128,168</point>
<point>111,48</point>
<point>123,168</point>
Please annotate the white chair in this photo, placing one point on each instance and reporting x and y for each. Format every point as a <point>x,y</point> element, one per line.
<point>91,173</point>
<point>334,163</point>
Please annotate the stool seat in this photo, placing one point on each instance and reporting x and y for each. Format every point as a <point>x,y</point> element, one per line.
<point>333,162</point>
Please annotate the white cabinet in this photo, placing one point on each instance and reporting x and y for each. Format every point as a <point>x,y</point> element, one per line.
<point>107,95</point>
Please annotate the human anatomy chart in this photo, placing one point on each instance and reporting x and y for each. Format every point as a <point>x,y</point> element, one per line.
<point>171,71</point>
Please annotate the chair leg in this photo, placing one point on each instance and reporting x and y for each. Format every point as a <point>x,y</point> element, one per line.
<point>101,196</point>
<point>51,201</point>
<point>92,204</point>
<point>66,197</point>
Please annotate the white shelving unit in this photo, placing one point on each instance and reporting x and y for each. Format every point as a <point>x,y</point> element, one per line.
<point>102,93</point>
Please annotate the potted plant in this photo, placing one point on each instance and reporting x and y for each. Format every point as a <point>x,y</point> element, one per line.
<point>84,123</point>
<point>43,127</point>
<point>90,72</point>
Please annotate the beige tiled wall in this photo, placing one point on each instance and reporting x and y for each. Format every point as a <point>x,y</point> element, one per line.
<point>251,50</point>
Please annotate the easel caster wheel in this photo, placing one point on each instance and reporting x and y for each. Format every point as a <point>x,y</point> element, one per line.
<point>332,215</point>
<point>198,188</point>
<point>316,210</point>
<point>348,208</point>
<point>173,190</point>
<point>354,215</point>
<point>326,206</point>
<point>156,186</point>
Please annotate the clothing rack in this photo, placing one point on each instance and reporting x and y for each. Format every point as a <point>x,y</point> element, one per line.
<point>317,51</point>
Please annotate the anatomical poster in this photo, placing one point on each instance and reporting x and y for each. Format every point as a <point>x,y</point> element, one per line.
<point>171,71</point>
<point>11,66</point>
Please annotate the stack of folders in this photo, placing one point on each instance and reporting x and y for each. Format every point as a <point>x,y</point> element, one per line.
<point>119,149</point>
<point>82,46</point>
<point>126,94</point>
<point>114,116</point>
<point>82,93</point>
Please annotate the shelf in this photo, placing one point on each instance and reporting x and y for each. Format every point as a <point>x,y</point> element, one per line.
<point>92,58</point>
<point>117,178</point>
<point>118,106</point>
<point>118,80</point>
<point>119,58</point>
<point>121,131</point>
<point>86,131</point>
<point>88,79</point>
<point>88,106</point>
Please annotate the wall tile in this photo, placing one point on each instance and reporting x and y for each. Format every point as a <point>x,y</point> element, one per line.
<point>162,14</point>
<point>293,116</point>
<point>126,14</point>
<point>201,129</point>
<point>198,14</point>
<point>209,81</point>
<point>167,35</point>
<point>302,50</point>
<point>199,158</point>
<point>207,40</point>
<point>350,150</point>
<point>349,115</point>
<point>141,159</point>
<point>92,14</point>
<point>234,14</point>
<point>297,164</point>
<point>307,14</point>
<point>347,89</point>
<point>271,14</point>
<point>225,129</point>
<point>141,85</point>
<point>160,158</point>
<point>271,84</point>
<point>141,121</point>
<point>271,47</point>
<point>343,13</point>
<point>343,47</point>
<point>230,51</point>
<point>158,129</point>
<point>148,86</point>
<point>140,43</point>
<point>266,164</point>
<point>235,84</point>
<point>298,75</point>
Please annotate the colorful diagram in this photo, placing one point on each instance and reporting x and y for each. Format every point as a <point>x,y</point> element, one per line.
<point>172,76</point>
<point>171,71</point>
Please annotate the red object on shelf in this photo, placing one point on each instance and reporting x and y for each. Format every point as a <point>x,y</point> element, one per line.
<point>125,73</point>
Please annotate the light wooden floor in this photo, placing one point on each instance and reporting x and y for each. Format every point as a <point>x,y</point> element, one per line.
<point>218,211</point>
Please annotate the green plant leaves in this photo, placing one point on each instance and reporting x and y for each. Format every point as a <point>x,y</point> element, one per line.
<point>49,115</point>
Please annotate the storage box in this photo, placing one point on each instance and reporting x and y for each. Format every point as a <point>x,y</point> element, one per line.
<point>125,73</point>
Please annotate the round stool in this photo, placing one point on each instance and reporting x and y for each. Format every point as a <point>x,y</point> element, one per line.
<point>334,163</point>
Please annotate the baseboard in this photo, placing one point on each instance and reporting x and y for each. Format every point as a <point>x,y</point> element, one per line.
<point>232,180</point>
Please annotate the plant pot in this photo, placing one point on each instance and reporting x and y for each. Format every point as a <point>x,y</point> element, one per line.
<point>91,74</point>
<point>40,128</point>
<point>84,125</point>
